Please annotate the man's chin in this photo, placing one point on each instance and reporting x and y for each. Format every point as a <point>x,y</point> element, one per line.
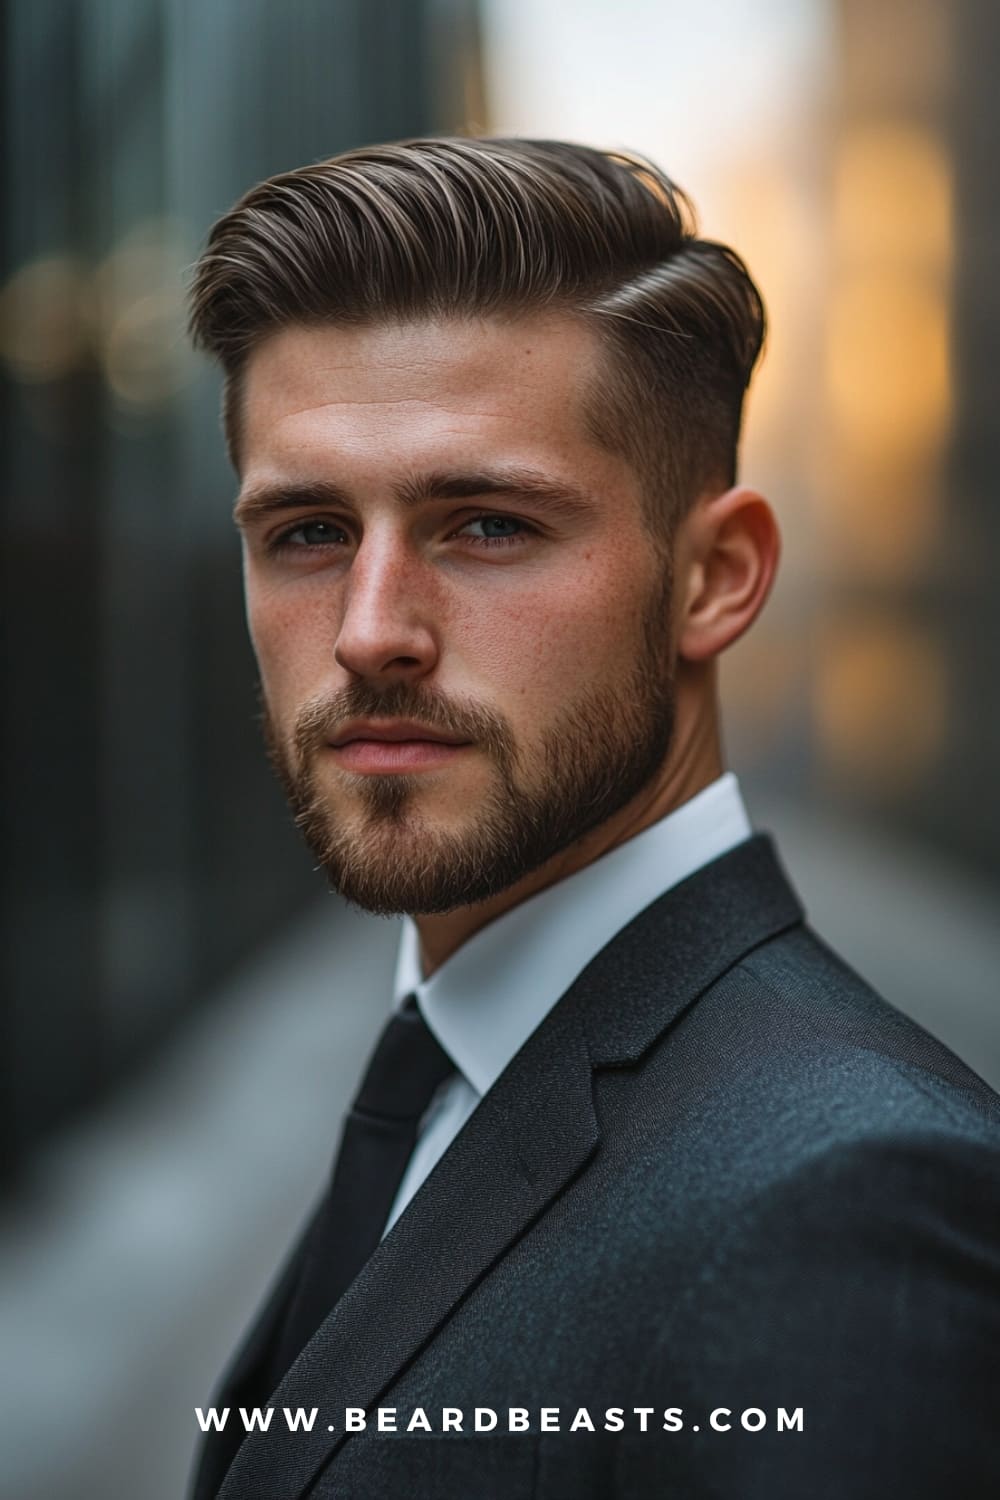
<point>383,892</point>
<point>403,864</point>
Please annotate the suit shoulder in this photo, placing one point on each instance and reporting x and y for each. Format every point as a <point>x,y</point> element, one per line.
<point>807,997</point>
<point>864,1288</point>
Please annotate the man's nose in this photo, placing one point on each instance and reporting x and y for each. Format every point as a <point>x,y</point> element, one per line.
<point>385,631</point>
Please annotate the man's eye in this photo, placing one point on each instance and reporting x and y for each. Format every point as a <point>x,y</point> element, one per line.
<point>495,529</point>
<point>309,534</point>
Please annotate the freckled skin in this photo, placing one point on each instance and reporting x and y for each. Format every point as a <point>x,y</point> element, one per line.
<point>410,594</point>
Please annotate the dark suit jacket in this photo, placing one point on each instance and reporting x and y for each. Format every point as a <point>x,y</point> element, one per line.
<point>722,1173</point>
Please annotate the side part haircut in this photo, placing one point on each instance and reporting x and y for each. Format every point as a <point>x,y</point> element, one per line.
<point>496,227</point>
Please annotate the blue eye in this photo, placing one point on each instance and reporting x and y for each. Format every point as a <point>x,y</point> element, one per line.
<point>499,525</point>
<point>496,529</point>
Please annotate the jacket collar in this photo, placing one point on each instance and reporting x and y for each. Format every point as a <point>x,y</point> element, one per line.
<point>533,1132</point>
<point>484,1002</point>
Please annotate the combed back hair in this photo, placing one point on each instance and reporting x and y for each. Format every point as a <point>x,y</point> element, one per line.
<point>460,227</point>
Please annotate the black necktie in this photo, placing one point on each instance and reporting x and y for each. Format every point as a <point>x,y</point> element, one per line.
<point>378,1138</point>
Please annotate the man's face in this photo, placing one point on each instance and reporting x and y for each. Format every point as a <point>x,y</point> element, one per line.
<point>461,620</point>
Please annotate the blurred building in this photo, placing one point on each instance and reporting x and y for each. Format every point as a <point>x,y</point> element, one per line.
<point>844,147</point>
<point>905,717</point>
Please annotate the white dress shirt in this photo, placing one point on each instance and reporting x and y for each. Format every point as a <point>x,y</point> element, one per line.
<point>484,1002</point>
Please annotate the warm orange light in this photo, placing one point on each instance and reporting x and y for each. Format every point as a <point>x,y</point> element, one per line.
<point>893,198</point>
<point>888,368</point>
<point>880,699</point>
<point>46,313</point>
<point>888,358</point>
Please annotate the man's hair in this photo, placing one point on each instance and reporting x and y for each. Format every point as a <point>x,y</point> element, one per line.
<point>495,227</point>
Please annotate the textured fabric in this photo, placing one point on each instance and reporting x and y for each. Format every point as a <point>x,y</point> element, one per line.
<point>722,1176</point>
<point>487,999</point>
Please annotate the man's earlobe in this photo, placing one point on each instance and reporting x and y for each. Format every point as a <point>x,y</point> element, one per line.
<point>733,546</point>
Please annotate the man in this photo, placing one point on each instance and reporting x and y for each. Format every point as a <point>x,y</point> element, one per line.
<point>644,1192</point>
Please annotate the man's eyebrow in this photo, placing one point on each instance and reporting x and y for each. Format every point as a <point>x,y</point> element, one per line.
<point>261,501</point>
<point>555,496</point>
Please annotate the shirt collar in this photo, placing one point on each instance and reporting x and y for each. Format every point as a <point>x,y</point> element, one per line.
<point>490,995</point>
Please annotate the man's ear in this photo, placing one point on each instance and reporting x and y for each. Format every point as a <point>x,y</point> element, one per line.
<point>726,557</point>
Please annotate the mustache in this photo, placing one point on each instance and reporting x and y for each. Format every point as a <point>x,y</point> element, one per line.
<point>319,720</point>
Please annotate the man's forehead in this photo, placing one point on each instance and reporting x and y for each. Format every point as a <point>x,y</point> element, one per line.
<point>454,358</point>
<point>427,382</point>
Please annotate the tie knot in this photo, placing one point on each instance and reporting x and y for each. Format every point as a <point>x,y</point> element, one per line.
<point>406,1067</point>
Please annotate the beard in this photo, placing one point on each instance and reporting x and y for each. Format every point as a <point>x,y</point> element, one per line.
<point>388,858</point>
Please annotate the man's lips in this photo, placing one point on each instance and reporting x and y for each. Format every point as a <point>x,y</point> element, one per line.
<point>392,731</point>
<point>400,746</point>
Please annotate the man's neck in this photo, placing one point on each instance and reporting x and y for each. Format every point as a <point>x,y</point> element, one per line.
<point>694,763</point>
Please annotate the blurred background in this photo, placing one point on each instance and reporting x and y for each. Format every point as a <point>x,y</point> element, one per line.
<point>169,958</point>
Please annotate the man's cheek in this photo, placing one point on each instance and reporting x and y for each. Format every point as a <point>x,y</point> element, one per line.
<point>295,653</point>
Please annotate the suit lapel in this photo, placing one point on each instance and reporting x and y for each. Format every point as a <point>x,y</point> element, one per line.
<point>530,1136</point>
<point>431,1257</point>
